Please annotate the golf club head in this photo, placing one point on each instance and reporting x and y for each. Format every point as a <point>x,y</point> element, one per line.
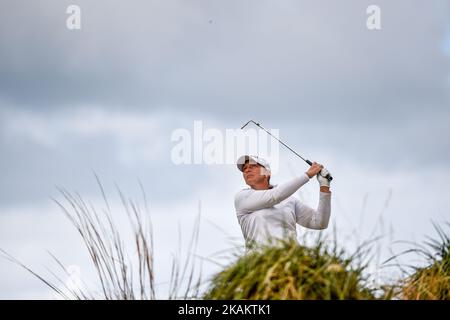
<point>328,176</point>
<point>248,123</point>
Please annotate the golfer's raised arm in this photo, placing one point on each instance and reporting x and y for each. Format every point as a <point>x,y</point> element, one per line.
<point>247,201</point>
<point>314,219</point>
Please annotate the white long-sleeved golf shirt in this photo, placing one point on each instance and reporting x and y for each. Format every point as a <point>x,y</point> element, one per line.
<point>270,214</point>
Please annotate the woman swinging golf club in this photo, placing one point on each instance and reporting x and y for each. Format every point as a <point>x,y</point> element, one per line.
<point>267,213</point>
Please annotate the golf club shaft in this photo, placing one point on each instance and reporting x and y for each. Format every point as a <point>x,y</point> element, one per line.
<point>329,177</point>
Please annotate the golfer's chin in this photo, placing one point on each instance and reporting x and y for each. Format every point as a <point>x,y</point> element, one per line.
<point>251,182</point>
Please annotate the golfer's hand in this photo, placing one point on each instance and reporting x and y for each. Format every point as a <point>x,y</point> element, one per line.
<point>324,182</point>
<point>314,169</point>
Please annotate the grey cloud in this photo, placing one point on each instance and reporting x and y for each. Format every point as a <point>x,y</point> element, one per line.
<point>294,56</point>
<point>33,163</point>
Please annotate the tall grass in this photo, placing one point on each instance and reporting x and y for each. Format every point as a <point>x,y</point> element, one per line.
<point>289,271</point>
<point>431,282</point>
<point>122,273</point>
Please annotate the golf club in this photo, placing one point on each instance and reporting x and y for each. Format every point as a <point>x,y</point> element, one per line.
<point>329,177</point>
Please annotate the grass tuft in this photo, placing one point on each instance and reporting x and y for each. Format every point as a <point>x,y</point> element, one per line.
<point>431,282</point>
<point>289,271</point>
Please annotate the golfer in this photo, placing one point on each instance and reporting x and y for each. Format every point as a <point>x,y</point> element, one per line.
<point>267,212</point>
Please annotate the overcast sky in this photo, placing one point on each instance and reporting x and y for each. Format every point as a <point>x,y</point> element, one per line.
<point>373,106</point>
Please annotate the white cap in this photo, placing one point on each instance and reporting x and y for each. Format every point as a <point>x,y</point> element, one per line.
<point>241,161</point>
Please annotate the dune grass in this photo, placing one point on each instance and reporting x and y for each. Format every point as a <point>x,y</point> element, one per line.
<point>289,271</point>
<point>431,282</point>
<point>123,260</point>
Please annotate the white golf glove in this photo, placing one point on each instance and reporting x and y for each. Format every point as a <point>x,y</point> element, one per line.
<point>323,182</point>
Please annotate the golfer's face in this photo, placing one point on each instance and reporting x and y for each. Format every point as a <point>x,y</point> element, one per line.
<point>253,173</point>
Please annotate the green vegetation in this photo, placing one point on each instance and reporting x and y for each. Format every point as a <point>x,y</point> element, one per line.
<point>291,271</point>
<point>433,281</point>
